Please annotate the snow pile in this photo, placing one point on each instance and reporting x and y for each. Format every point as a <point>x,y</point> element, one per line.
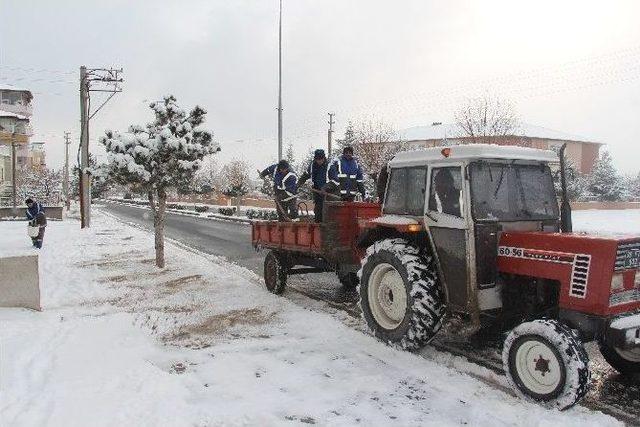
<point>121,342</point>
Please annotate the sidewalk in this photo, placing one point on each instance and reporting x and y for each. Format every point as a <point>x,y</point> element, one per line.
<point>120,342</point>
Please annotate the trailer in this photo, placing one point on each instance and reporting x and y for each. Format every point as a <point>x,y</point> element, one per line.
<point>302,247</point>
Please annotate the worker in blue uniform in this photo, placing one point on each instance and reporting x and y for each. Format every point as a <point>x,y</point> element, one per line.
<point>318,171</point>
<point>285,186</point>
<point>345,176</point>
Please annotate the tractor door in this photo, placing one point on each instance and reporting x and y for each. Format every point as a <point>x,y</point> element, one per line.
<point>446,221</point>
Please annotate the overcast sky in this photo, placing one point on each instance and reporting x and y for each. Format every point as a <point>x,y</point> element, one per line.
<point>573,66</point>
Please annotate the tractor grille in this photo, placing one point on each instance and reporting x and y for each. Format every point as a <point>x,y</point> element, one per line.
<point>628,256</point>
<point>579,276</point>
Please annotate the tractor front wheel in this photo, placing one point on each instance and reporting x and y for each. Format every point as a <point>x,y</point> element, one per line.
<point>546,362</point>
<point>627,362</point>
<point>275,273</point>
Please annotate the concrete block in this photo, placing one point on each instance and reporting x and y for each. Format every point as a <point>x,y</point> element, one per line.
<point>20,282</point>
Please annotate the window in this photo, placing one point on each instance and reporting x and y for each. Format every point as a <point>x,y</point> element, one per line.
<point>512,192</point>
<point>446,191</point>
<point>406,191</point>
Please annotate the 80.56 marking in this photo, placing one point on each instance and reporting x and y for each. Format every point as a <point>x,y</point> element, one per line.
<point>510,251</point>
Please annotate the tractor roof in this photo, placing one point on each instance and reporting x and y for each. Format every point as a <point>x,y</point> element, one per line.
<point>457,153</point>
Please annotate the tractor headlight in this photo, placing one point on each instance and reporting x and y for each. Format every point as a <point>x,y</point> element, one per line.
<point>617,282</point>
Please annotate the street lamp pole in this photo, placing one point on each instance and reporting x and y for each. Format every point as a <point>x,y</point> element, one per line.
<point>280,84</point>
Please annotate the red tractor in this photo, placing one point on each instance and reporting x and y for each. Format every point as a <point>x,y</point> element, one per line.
<point>472,237</point>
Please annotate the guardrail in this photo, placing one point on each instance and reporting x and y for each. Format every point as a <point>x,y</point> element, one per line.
<point>9,212</point>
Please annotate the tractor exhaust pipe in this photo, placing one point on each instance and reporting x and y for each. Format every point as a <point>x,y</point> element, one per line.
<point>565,206</point>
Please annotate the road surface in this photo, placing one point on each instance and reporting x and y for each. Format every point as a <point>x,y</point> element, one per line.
<point>610,392</point>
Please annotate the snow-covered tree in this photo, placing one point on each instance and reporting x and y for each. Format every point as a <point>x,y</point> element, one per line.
<point>165,154</point>
<point>100,179</point>
<point>374,143</point>
<point>346,141</point>
<point>575,180</point>
<point>290,157</point>
<point>39,183</point>
<point>604,183</point>
<point>633,187</point>
<point>485,117</point>
<point>305,192</point>
<point>207,177</point>
<point>235,175</point>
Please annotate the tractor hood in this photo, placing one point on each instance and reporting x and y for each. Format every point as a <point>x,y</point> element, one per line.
<point>598,274</point>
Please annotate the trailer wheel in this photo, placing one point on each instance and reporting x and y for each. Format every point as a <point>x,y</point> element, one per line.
<point>545,361</point>
<point>275,273</point>
<point>627,362</point>
<point>400,297</point>
<point>349,280</point>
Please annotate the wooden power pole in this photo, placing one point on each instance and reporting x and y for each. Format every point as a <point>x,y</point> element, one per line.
<point>65,184</point>
<point>101,77</point>
<point>85,191</point>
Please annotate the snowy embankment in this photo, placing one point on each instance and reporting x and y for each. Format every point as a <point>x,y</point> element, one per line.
<point>120,342</point>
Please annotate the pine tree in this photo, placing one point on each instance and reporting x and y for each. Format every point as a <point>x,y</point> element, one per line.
<point>347,141</point>
<point>161,156</point>
<point>290,157</point>
<point>575,180</point>
<point>604,183</point>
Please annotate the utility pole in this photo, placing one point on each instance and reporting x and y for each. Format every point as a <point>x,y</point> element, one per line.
<point>13,167</point>
<point>65,184</point>
<point>280,84</point>
<point>106,80</point>
<point>330,134</point>
<point>85,191</point>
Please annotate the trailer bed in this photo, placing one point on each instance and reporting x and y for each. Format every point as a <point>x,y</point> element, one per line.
<point>334,239</point>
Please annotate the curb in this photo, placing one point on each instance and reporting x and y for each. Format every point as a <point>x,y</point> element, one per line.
<point>210,216</point>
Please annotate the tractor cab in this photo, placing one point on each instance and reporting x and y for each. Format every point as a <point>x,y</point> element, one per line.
<point>464,196</point>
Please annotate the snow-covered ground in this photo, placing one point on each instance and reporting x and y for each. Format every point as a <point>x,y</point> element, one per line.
<point>120,342</point>
<point>610,221</point>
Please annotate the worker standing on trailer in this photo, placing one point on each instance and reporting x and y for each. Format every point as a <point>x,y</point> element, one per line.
<point>285,187</point>
<point>345,176</point>
<point>318,171</point>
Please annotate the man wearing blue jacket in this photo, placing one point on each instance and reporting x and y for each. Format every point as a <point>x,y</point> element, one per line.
<point>345,176</point>
<point>36,218</point>
<point>318,172</point>
<point>285,187</point>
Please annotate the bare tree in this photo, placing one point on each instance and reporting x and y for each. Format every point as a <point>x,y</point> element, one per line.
<point>485,118</point>
<point>207,178</point>
<point>237,182</point>
<point>40,183</point>
<point>374,143</point>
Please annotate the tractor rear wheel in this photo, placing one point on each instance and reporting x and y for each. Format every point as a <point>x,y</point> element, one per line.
<point>275,272</point>
<point>400,296</point>
<point>627,362</point>
<point>546,362</point>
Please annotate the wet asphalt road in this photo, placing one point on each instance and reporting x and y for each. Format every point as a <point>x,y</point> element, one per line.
<point>609,392</point>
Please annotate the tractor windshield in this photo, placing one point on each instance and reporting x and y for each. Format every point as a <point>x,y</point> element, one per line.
<point>509,191</point>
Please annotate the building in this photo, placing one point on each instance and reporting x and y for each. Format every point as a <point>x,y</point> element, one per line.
<point>15,131</point>
<point>582,152</point>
